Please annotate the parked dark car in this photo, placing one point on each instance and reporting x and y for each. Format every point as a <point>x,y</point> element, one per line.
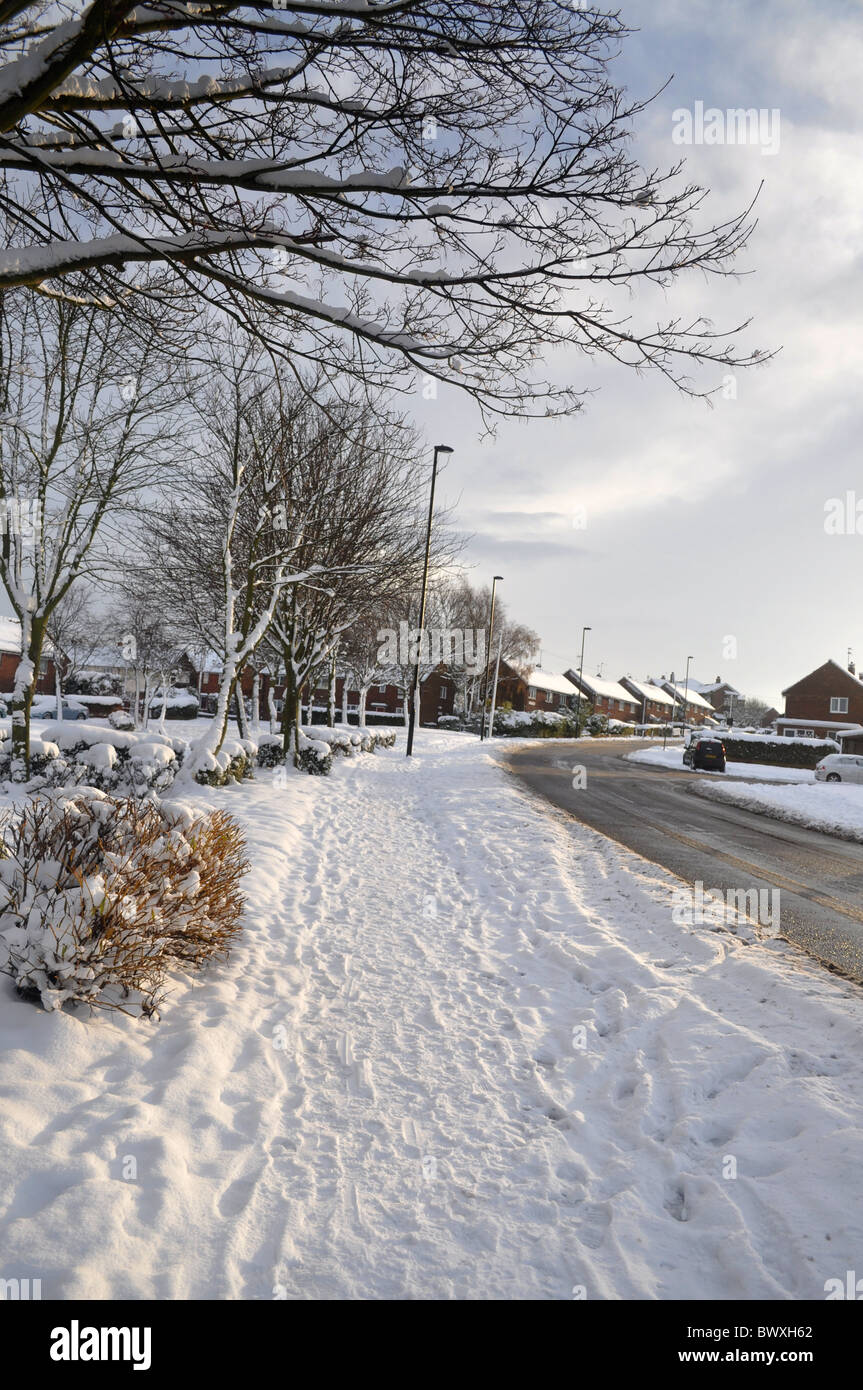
<point>706,753</point>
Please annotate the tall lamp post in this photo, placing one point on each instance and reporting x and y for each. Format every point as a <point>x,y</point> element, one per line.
<point>686,696</point>
<point>580,677</point>
<point>415,680</point>
<point>494,582</point>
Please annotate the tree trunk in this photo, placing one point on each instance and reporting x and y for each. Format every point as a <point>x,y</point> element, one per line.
<point>291,713</point>
<point>274,714</point>
<point>256,701</point>
<point>58,690</point>
<point>242,725</point>
<point>361,707</point>
<point>345,699</point>
<point>331,693</point>
<point>22,694</point>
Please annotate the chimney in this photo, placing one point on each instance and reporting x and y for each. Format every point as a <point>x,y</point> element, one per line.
<point>852,668</point>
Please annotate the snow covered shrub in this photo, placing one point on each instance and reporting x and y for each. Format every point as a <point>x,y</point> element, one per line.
<point>43,753</point>
<point>315,757</point>
<point>382,738</point>
<point>99,897</point>
<point>234,761</point>
<point>777,749</point>
<point>113,760</point>
<point>121,719</point>
<point>597,725</point>
<point>270,750</point>
<point>339,741</point>
<point>533,724</point>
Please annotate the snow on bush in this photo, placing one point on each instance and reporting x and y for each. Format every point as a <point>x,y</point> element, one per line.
<point>319,745</point>
<point>778,750</point>
<point>534,723</point>
<point>121,719</point>
<point>234,761</point>
<point>99,897</point>
<point>113,760</point>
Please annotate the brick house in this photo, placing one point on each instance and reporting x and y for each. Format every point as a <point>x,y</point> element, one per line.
<point>698,710</point>
<point>829,699</point>
<point>655,705</point>
<point>10,657</point>
<point>607,697</point>
<point>541,690</point>
<point>721,695</point>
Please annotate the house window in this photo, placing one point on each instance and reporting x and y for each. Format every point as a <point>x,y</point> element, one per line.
<point>443,692</point>
<point>382,690</point>
<point>531,690</point>
<point>839,704</point>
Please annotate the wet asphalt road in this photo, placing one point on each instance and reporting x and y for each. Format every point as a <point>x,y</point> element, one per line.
<point>655,812</point>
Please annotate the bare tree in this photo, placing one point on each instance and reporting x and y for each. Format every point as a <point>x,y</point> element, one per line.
<point>399,186</point>
<point>76,632</point>
<point>467,608</point>
<point>354,497</point>
<point>85,426</point>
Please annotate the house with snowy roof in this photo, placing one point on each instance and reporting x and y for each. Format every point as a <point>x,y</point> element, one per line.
<point>537,689</point>
<point>826,701</point>
<point>698,710</point>
<point>655,705</point>
<point>721,694</point>
<point>607,697</point>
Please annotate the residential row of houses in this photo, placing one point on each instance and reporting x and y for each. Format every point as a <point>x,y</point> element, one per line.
<point>827,702</point>
<point>627,700</point>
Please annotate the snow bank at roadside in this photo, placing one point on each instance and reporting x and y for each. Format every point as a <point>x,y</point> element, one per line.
<point>763,772</point>
<point>828,806</point>
<point>462,1051</point>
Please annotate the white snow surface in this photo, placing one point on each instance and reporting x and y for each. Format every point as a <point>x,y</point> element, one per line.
<point>672,756</point>
<point>382,1095</point>
<point>836,808</point>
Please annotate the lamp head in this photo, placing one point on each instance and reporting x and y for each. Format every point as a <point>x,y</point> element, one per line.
<point>442,449</point>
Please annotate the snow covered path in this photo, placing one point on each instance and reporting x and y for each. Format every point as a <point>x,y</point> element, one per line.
<point>386,1092</point>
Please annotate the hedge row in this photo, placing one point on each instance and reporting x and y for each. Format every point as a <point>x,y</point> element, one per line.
<point>779,752</point>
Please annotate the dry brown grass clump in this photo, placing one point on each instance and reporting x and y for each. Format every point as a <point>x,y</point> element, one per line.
<point>99,896</point>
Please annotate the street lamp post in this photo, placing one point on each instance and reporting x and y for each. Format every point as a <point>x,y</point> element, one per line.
<point>580,678</point>
<point>494,581</point>
<point>686,696</point>
<point>439,449</point>
<point>673,708</point>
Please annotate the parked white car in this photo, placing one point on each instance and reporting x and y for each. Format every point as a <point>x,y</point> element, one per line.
<point>839,767</point>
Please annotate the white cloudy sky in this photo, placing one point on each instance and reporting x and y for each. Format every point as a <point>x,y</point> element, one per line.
<point>704,524</point>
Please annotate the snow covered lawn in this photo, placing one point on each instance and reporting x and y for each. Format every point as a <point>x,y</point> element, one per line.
<point>462,1052</point>
<point>762,772</point>
<point>836,808</point>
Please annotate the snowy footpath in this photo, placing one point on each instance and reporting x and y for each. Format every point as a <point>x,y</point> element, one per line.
<point>462,1051</point>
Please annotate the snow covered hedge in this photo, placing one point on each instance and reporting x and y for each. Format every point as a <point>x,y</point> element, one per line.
<point>122,762</point>
<point>533,724</point>
<point>99,897</point>
<point>779,751</point>
<point>319,745</point>
<point>129,762</point>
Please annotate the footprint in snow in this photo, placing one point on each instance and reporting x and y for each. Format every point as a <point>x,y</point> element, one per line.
<point>595,1219</point>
